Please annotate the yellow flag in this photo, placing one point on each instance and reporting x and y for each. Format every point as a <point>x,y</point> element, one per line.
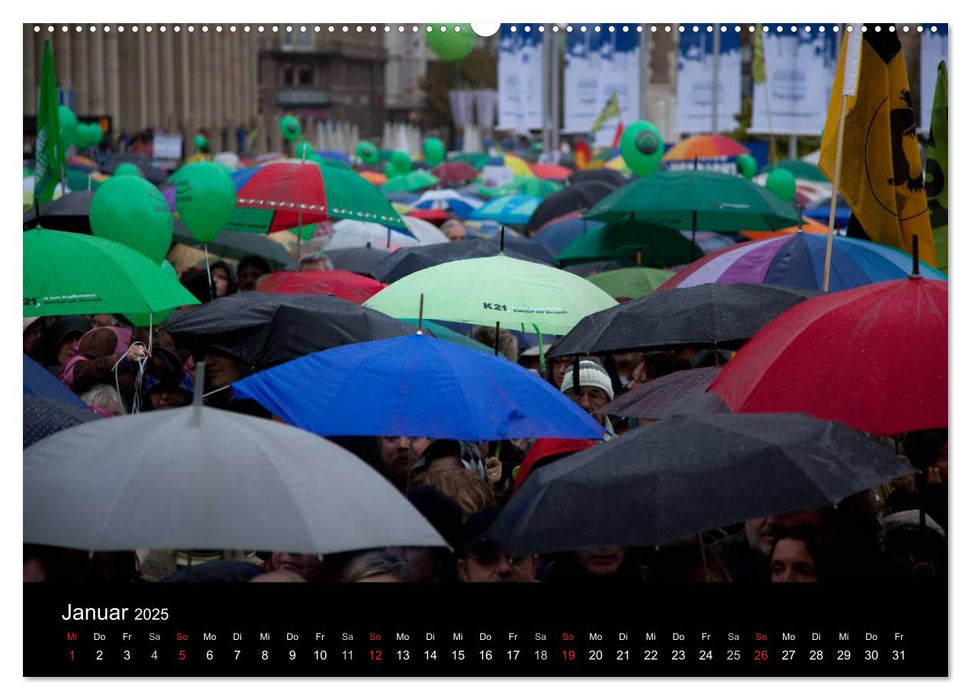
<point>611,110</point>
<point>880,172</point>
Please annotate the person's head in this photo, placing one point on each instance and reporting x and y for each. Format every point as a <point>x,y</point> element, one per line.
<point>804,554</point>
<point>595,390</point>
<point>222,370</point>
<point>222,279</point>
<point>196,282</point>
<point>529,358</point>
<point>102,320</point>
<point>33,336</point>
<point>166,382</point>
<point>484,561</point>
<point>65,334</point>
<point>375,566</point>
<point>104,397</point>
<point>398,453</point>
<point>556,369</point>
<point>300,564</point>
<point>278,576</point>
<point>927,449</point>
<point>601,561</point>
<point>249,270</point>
<point>448,475</point>
<point>762,533</point>
<point>315,261</point>
<point>508,345</point>
<point>454,230</point>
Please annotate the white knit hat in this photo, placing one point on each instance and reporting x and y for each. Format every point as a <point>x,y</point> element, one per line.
<point>591,374</point>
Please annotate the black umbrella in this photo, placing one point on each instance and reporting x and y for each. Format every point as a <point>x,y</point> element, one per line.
<point>358,260</point>
<point>262,329</point>
<point>684,392</point>
<point>610,177</point>
<point>66,213</point>
<point>530,249</point>
<point>711,315</point>
<point>580,196</point>
<point>154,175</point>
<point>235,245</point>
<point>687,474</point>
<point>409,259</point>
<point>44,417</point>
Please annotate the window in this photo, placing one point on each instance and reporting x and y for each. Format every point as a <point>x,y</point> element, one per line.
<point>306,75</point>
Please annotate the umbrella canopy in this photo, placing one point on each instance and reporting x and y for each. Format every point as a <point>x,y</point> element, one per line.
<point>513,210</point>
<point>583,195</point>
<point>42,384</point>
<point>520,184</point>
<point>797,260</point>
<point>202,478</point>
<point>807,191</point>
<point>44,417</point>
<point>262,330</point>
<point>807,225</point>
<point>66,213</point>
<point>678,393</point>
<point>705,146</point>
<point>518,165</point>
<point>358,260</point>
<point>454,173</point>
<point>350,196</point>
<point>406,261</point>
<point>236,244</point>
<point>653,244</point>
<point>516,294</point>
<point>711,315</point>
<point>611,177</point>
<point>630,282</point>
<point>448,335</point>
<point>696,200</point>
<point>66,274</point>
<point>279,195</point>
<point>355,234</point>
<point>550,172</point>
<point>416,386</point>
<point>339,283</point>
<point>874,358</point>
<point>459,203</point>
<point>803,170</point>
<point>373,178</point>
<point>436,217</point>
<point>476,160</point>
<point>687,474</point>
<point>559,232</point>
<point>412,182</point>
<point>426,233</point>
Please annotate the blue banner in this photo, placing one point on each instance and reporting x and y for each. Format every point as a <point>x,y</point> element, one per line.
<point>696,69</point>
<point>520,77</point>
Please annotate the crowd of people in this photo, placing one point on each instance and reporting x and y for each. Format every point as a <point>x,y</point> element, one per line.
<point>895,531</point>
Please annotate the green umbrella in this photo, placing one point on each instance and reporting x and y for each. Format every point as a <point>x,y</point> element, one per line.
<point>647,243</point>
<point>523,184</point>
<point>350,196</point>
<point>412,182</point>
<point>476,160</point>
<point>693,200</point>
<point>631,282</point>
<point>801,169</point>
<point>514,293</point>
<point>70,274</point>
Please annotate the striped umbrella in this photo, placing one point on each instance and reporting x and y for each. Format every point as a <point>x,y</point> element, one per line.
<point>461,204</point>
<point>705,146</point>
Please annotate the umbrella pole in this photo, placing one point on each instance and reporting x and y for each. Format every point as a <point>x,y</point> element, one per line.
<point>836,181</point>
<point>495,351</point>
<point>197,394</point>
<point>208,272</point>
<point>389,237</point>
<point>542,359</point>
<point>694,228</point>
<point>299,226</point>
<point>704,559</point>
<point>502,238</point>
<point>421,310</point>
<point>151,323</point>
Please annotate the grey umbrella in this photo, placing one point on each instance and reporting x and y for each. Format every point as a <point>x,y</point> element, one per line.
<point>687,474</point>
<point>201,478</point>
<point>676,393</point>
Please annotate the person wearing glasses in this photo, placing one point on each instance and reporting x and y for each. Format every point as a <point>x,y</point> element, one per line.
<point>484,561</point>
<point>595,391</point>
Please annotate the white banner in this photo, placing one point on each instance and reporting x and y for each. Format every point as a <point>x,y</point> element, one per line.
<point>485,108</point>
<point>933,50</point>
<point>520,78</point>
<point>166,146</point>
<point>463,104</point>
<point>597,64</point>
<point>799,70</point>
<point>696,66</point>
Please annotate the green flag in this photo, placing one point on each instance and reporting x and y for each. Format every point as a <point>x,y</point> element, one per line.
<point>758,56</point>
<point>936,168</point>
<point>50,155</point>
<point>611,110</point>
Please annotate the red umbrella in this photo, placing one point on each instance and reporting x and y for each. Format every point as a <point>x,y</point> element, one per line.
<point>454,173</point>
<point>550,172</point>
<point>435,216</point>
<point>289,191</point>
<point>873,357</point>
<point>339,283</point>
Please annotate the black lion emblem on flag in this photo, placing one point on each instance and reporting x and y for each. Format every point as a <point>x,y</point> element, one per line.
<point>903,125</point>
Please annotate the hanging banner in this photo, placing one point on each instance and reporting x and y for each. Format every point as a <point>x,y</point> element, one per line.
<point>598,64</point>
<point>520,77</point>
<point>799,69</point>
<point>485,108</point>
<point>933,50</point>
<point>462,103</point>
<point>696,65</point>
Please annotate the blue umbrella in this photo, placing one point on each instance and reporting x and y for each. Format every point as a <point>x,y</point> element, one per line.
<point>461,204</point>
<point>513,210</point>
<point>416,386</point>
<point>335,155</point>
<point>559,233</point>
<point>39,382</point>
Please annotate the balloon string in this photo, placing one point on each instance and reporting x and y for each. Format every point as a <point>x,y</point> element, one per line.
<point>208,272</point>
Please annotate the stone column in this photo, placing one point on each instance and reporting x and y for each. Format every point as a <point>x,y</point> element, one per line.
<point>81,69</point>
<point>206,86</point>
<point>61,46</point>
<point>151,77</point>
<point>112,81</point>
<point>168,110</point>
<point>141,60</point>
<point>31,71</point>
<point>96,74</point>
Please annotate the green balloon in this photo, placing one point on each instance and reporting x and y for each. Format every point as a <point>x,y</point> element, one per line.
<point>451,45</point>
<point>201,142</point>
<point>642,147</point>
<point>401,162</point>
<point>434,151</point>
<point>390,171</point>
<point>205,197</point>
<point>143,320</point>
<point>69,124</point>
<point>83,136</point>
<point>367,152</point>
<point>781,183</point>
<point>131,210</point>
<point>128,169</point>
<point>746,166</point>
<point>305,233</point>
<point>290,127</point>
<point>93,134</point>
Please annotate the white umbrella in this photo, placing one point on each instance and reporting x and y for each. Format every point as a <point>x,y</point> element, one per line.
<point>227,158</point>
<point>427,233</point>
<point>349,233</point>
<point>201,478</point>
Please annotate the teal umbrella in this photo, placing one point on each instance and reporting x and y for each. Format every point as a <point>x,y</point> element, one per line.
<point>513,210</point>
<point>645,243</point>
<point>412,182</point>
